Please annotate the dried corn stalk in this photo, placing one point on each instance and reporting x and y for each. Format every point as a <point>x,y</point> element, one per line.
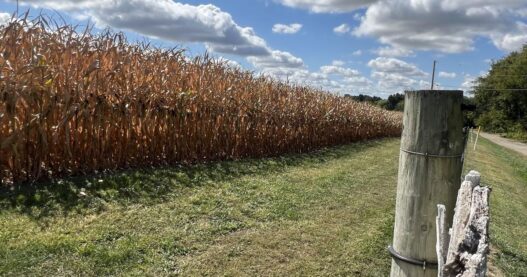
<point>73,103</point>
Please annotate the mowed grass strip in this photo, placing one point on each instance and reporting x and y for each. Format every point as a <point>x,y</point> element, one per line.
<point>505,171</point>
<point>328,213</point>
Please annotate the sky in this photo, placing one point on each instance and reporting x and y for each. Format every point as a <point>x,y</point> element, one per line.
<point>374,47</point>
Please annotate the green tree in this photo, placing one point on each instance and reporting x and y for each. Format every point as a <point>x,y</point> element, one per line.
<point>501,96</point>
<point>395,102</point>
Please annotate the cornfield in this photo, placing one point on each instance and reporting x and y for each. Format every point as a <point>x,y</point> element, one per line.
<point>73,102</point>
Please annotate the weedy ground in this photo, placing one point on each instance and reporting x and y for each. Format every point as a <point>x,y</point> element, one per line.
<point>326,213</point>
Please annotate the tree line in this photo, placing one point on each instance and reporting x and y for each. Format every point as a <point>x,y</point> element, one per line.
<point>501,96</point>
<point>394,102</point>
<point>497,102</point>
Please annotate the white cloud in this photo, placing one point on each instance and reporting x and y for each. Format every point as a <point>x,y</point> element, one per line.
<point>278,60</point>
<point>393,52</point>
<point>396,75</point>
<point>229,62</point>
<point>448,26</point>
<point>327,6</point>
<point>342,29</point>
<point>512,41</point>
<point>334,77</point>
<point>357,17</point>
<point>392,65</point>
<point>4,18</point>
<point>393,81</point>
<point>456,4</point>
<point>339,70</point>
<point>468,83</point>
<point>338,63</point>
<point>287,29</point>
<point>444,74</point>
<point>357,53</point>
<point>390,75</point>
<point>359,81</point>
<point>168,20</point>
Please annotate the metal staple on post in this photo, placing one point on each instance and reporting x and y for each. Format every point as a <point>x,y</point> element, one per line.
<point>409,260</point>
<point>432,155</point>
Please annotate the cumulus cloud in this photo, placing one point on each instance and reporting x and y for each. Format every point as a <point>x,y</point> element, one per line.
<point>396,75</point>
<point>168,20</point>
<point>342,79</point>
<point>511,41</point>
<point>327,6</point>
<point>393,52</point>
<point>338,63</point>
<point>468,83</point>
<point>287,29</point>
<point>333,77</point>
<point>447,74</point>
<point>358,81</point>
<point>396,82</point>
<point>342,29</point>
<point>339,70</point>
<point>456,4</point>
<point>4,18</point>
<point>393,65</point>
<point>278,61</point>
<point>229,62</point>
<point>448,26</point>
<point>357,53</point>
<point>357,17</point>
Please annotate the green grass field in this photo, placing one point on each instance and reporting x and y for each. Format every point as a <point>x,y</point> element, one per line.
<point>326,213</point>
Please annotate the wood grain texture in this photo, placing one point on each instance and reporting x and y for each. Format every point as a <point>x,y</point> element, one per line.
<point>433,124</point>
<point>469,245</point>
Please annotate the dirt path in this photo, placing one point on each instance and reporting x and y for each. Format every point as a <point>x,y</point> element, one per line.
<point>507,143</point>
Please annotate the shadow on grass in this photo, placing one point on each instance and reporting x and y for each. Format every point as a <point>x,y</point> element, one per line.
<point>92,194</point>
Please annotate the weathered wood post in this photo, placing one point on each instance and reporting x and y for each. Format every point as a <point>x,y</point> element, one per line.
<point>429,174</point>
<point>463,250</point>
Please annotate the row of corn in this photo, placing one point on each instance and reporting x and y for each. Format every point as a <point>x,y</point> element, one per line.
<point>72,102</point>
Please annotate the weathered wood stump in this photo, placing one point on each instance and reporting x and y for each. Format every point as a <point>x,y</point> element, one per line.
<point>463,251</point>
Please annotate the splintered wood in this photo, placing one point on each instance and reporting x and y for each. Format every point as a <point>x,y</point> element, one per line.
<point>463,251</point>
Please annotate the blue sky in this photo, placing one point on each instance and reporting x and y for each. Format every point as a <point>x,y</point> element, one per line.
<point>375,47</point>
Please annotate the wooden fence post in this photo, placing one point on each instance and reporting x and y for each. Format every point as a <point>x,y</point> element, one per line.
<point>477,136</point>
<point>429,174</point>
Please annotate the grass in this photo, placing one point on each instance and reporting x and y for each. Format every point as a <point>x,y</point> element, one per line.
<point>506,172</point>
<point>328,213</point>
<point>518,135</point>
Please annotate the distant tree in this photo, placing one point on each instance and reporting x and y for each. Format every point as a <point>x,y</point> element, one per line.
<point>395,102</point>
<point>366,98</point>
<point>469,111</point>
<point>500,96</point>
<point>382,103</point>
